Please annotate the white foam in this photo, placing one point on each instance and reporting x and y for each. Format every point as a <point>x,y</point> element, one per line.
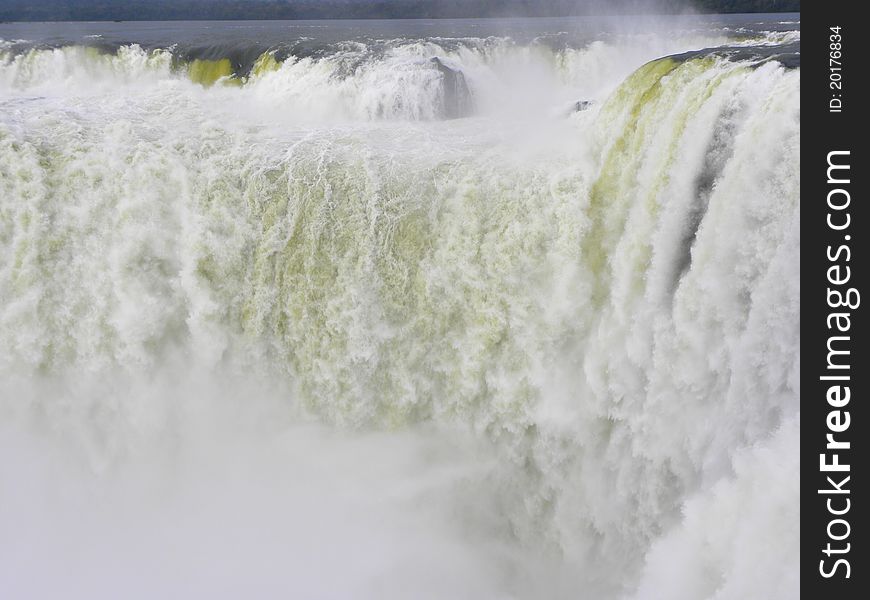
<point>164,244</point>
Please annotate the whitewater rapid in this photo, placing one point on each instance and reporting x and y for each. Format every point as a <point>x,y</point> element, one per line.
<point>333,325</point>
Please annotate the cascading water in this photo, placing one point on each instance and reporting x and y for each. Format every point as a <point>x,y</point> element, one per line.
<point>386,321</point>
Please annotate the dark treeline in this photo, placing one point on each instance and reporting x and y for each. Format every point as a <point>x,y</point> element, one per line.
<point>130,10</point>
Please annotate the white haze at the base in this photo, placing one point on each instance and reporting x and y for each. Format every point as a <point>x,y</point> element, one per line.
<point>151,481</point>
<point>244,497</point>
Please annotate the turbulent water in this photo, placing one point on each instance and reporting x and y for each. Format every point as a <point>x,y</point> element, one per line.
<point>457,309</point>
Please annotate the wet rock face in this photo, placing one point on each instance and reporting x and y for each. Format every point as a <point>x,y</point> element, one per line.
<point>574,107</point>
<point>458,100</point>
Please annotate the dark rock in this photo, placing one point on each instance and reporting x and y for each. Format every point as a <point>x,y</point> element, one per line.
<point>458,100</point>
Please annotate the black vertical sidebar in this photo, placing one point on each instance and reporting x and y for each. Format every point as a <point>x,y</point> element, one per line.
<point>835,370</point>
